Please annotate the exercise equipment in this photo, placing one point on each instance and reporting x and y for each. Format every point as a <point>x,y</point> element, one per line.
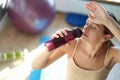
<point>31,16</point>
<point>76,19</point>
<point>13,55</point>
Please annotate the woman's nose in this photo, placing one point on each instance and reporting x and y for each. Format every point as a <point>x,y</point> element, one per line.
<point>86,28</point>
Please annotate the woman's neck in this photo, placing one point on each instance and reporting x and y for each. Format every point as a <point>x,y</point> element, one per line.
<point>93,50</point>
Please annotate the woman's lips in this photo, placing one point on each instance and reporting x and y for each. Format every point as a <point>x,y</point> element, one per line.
<point>84,34</point>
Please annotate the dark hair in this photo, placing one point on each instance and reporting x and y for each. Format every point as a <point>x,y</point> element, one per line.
<point>107,31</point>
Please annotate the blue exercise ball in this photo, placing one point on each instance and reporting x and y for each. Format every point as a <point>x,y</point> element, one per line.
<point>31,16</point>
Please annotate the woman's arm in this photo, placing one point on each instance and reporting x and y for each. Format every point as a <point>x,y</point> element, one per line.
<point>115,54</point>
<point>114,27</point>
<point>112,57</point>
<point>44,57</point>
<point>99,16</point>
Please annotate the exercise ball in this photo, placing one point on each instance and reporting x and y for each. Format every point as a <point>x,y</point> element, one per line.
<point>31,16</point>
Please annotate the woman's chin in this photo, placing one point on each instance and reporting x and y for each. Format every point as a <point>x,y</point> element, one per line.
<point>83,37</point>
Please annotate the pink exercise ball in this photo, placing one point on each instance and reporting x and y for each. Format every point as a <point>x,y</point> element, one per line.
<point>31,16</point>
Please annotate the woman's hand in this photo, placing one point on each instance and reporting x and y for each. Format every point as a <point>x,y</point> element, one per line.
<point>97,13</point>
<point>60,33</point>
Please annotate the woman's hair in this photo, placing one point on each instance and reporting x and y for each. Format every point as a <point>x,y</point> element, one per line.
<point>107,31</point>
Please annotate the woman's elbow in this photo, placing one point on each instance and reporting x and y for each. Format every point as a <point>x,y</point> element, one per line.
<point>36,67</point>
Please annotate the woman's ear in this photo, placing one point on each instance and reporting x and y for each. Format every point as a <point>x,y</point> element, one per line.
<point>107,37</point>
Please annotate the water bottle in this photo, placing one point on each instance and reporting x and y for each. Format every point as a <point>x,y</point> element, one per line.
<point>57,42</point>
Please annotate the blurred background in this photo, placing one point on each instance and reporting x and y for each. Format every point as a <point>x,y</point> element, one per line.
<point>24,24</point>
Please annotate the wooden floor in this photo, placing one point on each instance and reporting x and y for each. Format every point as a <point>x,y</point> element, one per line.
<point>13,40</point>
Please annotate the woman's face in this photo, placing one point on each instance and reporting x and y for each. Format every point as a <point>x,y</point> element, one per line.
<point>93,33</point>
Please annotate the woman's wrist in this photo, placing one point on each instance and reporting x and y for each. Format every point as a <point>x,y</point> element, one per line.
<point>108,20</point>
<point>42,47</point>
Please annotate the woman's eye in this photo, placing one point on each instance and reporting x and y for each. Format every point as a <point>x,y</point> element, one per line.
<point>93,27</point>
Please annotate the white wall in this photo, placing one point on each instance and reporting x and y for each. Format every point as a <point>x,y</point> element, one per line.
<point>78,6</point>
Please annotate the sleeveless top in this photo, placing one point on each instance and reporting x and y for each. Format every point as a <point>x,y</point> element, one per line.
<point>76,73</point>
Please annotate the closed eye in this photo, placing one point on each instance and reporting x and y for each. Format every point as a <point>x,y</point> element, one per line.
<point>93,27</point>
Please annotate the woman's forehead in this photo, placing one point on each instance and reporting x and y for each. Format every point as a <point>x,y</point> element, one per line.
<point>100,26</point>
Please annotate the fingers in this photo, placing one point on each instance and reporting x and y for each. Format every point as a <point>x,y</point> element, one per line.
<point>96,4</point>
<point>55,35</point>
<point>60,33</point>
<point>91,6</point>
<point>91,16</point>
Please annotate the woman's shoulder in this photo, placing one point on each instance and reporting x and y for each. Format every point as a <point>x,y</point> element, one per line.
<point>113,56</point>
<point>115,53</point>
<point>115,49</point>
<point>68,47</point>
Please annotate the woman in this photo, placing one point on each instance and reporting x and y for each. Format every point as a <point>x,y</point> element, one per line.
<point>90,57</point>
